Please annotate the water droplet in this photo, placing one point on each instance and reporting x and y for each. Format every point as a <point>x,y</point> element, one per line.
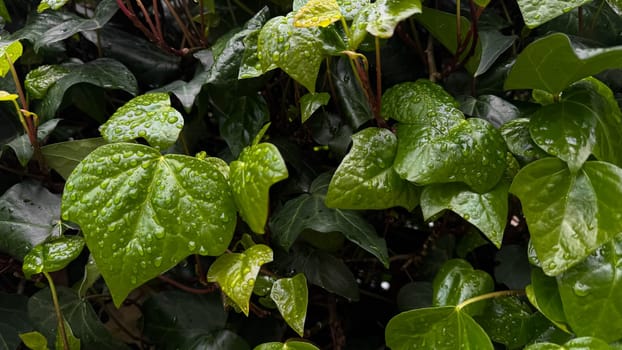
<point>142,133</point>
<point>157,262</point>
<point>466,216</point>
<point>172,120</point>
<point>159,232</point>
<point>192,245</point>
<point>581,289</point>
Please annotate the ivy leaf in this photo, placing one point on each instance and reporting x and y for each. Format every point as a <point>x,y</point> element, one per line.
<point>365,178</point>
<point>494,109</point>
<point>384,15</point>
<point>350,96</point>
<point>10,51</point>
<point>186,92</point>
<point>569,215</point>
<point>487,211</point>
<point>508,321</point>
<point>72,341</point>
<point>258,167</point>
<point>291,296</point>
<point>310,102</point>
<point>574,344</point>
<point>241,119</point>
<point>39,80</point>
<point>519,141</point>
<point>289,345</point>
<point>317,13</point>
<point>457,281</point>
<point>65,156</point>
<point>29,214</point>
<point>586,292</point>
<point>552,63</point>
<point>537,12</point>
<point>149,116</point>
<point>52,255</point>
<point>440,328</point>
<point>51,4</point>
<point>131,201</point>
<point>349,8</point>
<point>14,319</point>
<point>23,148</point>
<point>544,295</point>
<point>236,273</point>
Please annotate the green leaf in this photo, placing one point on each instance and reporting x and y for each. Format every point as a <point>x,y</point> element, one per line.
<point>493,45</point>
<point>10,51</point>
<point>236,273</point>
<point>39,80</point>
<point>487,211</point>
<point>258,167</point>
<point>491,108</point>
<point>384,15</point>
<point>569,215</point>
<point>34,340</point>
<point>4,12</point>
<point>289,345</point>
<point>52,255</point>
<point>13,319</point>
<point>553,63</point>
<point>439,328</point>
<point>310,102</point>
<point>65,156</point>
<point>519,141</point>
<point>39,23</point>
<point>349,8</point>
<point>149,116</point>
<point>186,92</point>
<point>103,72</point>
<point>574,344</point>
<point>544,295</point>
<point>291,297</point>
<point>587,292</point>
<point>23,148</point>
<point>366,179</point>
<point>537,12</point>
<point>91,275</point>
<point>51,4</point>
<point>317,13</point>
<point>131,201</point>
<point>241,119</point>
<point>415,295</point>
<point>512,266</point>
<point>508,321</point>
<point>350,96</point>
<point>222,339</point>
<point>72,341</point>
<point>29,214</point>
<point>457,281</point>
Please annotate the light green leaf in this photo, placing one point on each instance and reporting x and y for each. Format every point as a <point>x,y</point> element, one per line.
<point>536,12</point>
<point>569,216</point>
<point>142,213</point>
<point>51,4</point>
<point>23,148</point>
<point>149,116</point>
<point>439,328</point>
<point>552,63</point>
<point>39,80</point>
<point>10,51</point>
<point>365,178</point>
<point>544,295</point>
<point>317,13</point>
<point>34,340</point>
<point>582,343</point>
<point>289,345</point>
<point>457,281</point>
<point>65,156</point>
<point>52,255</point>
<point>384,15</point>
<point>487,211</point>
<point>310,102</point>
<point>258,167</point>
<point>588,293</point>
<point>291,297</point>
<point>519,141</point>
<point>236,273</point>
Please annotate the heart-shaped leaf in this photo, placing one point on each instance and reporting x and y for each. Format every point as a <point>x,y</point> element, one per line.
<point>519,141</point>
<point>240,119</point>
<point>310,102</point>
<point>537,12</point>
<point>317,13</point>
<point>52,255</point>
<point>581,343</point>
<point>23,148</point>
<point>491,108</point>
<point>457,281</point>
<point>365,178</point>
<point>39,80</point>
<point>142,213</point>
<point>544,295</point>
<point>291,297</point>
<point>10,51</point>
<point>384,15</point>
<point>289,345</point>
<point>487,211</point>
<point>149,116</point>
<point>236,273</point>
<point>439,328</point>
<point>65,156</point>
<point>508,321</point>
<point>569,215</point>
<point>258,167</point>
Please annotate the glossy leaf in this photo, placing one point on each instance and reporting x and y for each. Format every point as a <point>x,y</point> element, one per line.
<point>366,179</point>
<point>149,116</point>
<point>317,13</point>
<point>291,297</point>
<point>493,45</point>
<point>569,216</point>
<point>519,141</point>
<point>487,211</point>
<point>236,273</point>
<point>39,23</point>
<point>513,268</point>
<point>131,201</point>
<point>544,295</point>
<point>186,92</point>
<point>241,119</point>
<point>384,15</point>
<point>65,156</point>
<point>51,4</point>
<point>581,343</point>
<point>508,321</point>
<point>256,170</point>
<point>29,214</point>
<point>537,12</point>
<point>552,63</point>
<point>103,72</point>
<point>457,281</point>
<point>491,108</point>
<point>440,328</point>
<point>23,148</point>
<point>39,80</point>
<point>310,102</point>
<point>415,295</point>
<point>349,94</point>
<point>587,292</point>
<point>52,255</point>
<point>289,345</point>
<point>10,51</point>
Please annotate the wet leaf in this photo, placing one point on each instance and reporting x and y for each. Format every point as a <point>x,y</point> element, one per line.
<point>569,215</point>
<point>131,201</point>
<point>65,156</point>
<point>149,116</point>
<point>29,214</point>
<point>366,179</point>
<point>544,295</point>
<point>39,23</point>
<point>350,96</point>
<point>291,297</point>
<point>317,13</point>
<point>23,148</point>
<point>10,51</point>
<point>491,108</point>
<point>537,12</point>
<point>256,170</point>
<point>349,8</point>
<point>310,102</point>
<point>241,119</point>
<point>574,344</point>
<point>91,275</point>
<point>508,321</point>
<point>384,15</point>
<point>289,345</point>
<point>513,268</point>
<point>39,80</point>
<point>493,44</point>
<point>519,141</point>
<point>440,328</point>
<point>186,92</point>
<point>52,255</point>
<point>236,273</point>
<point>457,281</point>
<point>51,4</point>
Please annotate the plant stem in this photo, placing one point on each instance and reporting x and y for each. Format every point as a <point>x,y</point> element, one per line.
<point>59,315</point>
<point>458,24</point>
<point>344,24</point>
<point>182,26</point>
<point>378,76</point>
<point>502,293</point>
<point>18,84</point>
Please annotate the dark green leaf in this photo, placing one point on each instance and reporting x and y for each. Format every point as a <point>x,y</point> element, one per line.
<point>439,328</point>
<point>582,343</point>
<point>508,321</point>
<point>457,281</point>
<point>493,44</point>
<point>258,167</point>
<point>186,92</point>
<point>415,295</point>
<point>384,15</point>
<point>131,201</point>
<point>65,156</point>
<point>310,102</point>
<point>52,255</point>
<point>72,342</point>
<point>291,297</point>
<point>365,178</point>
<point>491,108</point>
<point>23,148</point>
<point>519,142</point>
<point>4,12</point>
<point>289,345</point>
<point>29,214</point>
<point>241,119</point>
<point>569,216</point>
<point>350,96</point>
<point>39,23</point>
<point>39,80</point>
<point>236,273</point>
<point>537,12</point>
<point>512,268</point>
<point>544,295</point>
<point>13,320</point>
<point>472,240</point>
<point>222,339</point>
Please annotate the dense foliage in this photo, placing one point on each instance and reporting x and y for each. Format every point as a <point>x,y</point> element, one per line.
<point>322,174</point>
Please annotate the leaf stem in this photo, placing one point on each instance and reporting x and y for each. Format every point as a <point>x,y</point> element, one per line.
<point>345,28</point>
<point>378,76</point>
<point>18,84</point>
<point>498,294</point>
<point>59,315</point>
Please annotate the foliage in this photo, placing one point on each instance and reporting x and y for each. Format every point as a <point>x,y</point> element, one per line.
<point>321,174</point>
